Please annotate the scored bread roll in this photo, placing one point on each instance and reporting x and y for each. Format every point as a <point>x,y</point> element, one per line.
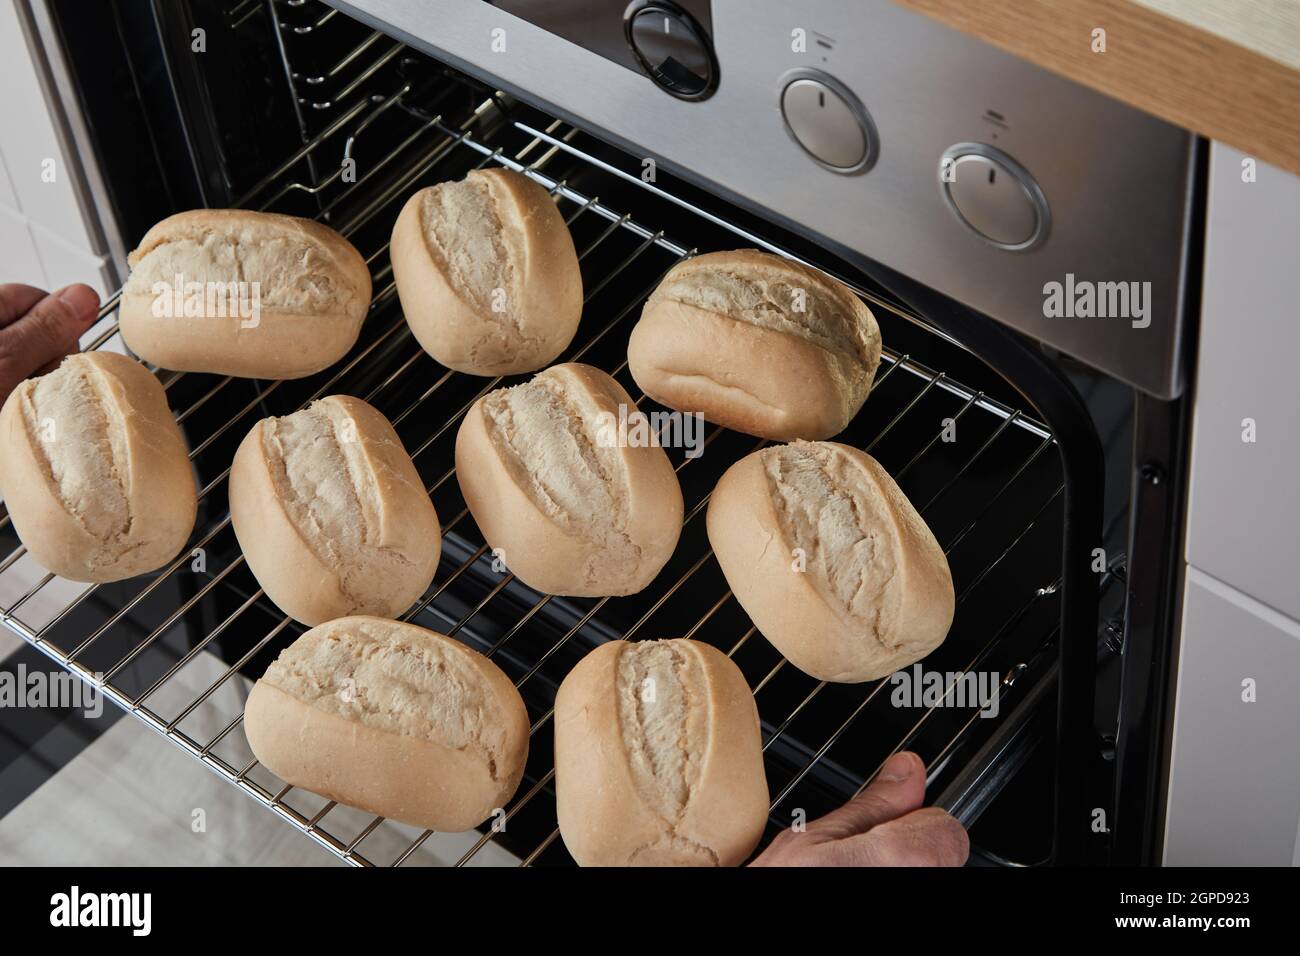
<point>757,343</point>
<point>331,514</point>
<point>94,470</point>
<point>252,294</point>
<point>567,509</point>
<point>830,560</point>
<point>394,719</point>
<point>658,757</point>
<point>487,273</point>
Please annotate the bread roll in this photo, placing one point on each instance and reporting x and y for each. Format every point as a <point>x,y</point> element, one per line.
<point>658,758</point>
<point>94,471</point>
<point>393,719</point>
<point>756,343</point>
<point>331,513</point>
<point>487,273</point>
<point>831,561</point>
<point>253,294</point>
<point>571,512</point>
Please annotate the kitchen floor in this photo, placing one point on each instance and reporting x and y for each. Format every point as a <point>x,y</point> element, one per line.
<point>105,789</point>
<point>126,796</point>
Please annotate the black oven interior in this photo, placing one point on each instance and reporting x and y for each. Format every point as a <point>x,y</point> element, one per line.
<point>295,108</point>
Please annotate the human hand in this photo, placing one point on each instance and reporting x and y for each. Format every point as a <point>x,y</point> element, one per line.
<point>884,825</point>
<point>37,329</point>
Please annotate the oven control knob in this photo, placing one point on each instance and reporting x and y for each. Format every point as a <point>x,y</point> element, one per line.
<point>994,196</point>
<point>828,121</point>
<point>672,48</point>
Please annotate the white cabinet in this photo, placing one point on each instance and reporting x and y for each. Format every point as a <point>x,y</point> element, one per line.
<point>1234,788</point>
<point>1244,515</point>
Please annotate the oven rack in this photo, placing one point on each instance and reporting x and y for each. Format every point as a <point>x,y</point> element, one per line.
<point>436,141</point>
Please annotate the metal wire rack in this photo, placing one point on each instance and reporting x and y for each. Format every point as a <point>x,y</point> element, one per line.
<point>177,649</point>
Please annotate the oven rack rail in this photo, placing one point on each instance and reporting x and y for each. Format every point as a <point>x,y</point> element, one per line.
<point>450,139</point>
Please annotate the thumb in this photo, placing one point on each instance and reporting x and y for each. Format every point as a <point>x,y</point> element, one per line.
<point>899,788</point>
<point>50,329</point>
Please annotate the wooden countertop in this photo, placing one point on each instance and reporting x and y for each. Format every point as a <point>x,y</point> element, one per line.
<point>1227,69</point>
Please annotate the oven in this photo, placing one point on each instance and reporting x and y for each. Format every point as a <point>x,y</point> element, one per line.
<point>1047,451</point>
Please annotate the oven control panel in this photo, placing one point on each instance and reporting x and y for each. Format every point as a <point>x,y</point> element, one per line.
<point>667,41</point>
<point>879,133</point>
<point>993,196</point>
<point>672,47</point>
<point>828,121</point>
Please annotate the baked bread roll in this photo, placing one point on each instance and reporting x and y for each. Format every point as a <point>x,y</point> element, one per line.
<point>331,514</point>
<point>757,343</point>
<point>94,471</point>
<point>394,719</point>
<point>251,294</point>
<point>570,511</point>
<point>830,560</point>
<point>658,757</point>
<point>487,273</point>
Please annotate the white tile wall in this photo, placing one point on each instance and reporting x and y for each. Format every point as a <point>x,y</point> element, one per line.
<point>31,140</point>
<point>8,197</point>
<point>65,263</point>
<point>44,237</point>
<point>21,262</point>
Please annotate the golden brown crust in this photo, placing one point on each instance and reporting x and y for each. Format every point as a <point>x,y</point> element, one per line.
<point>406,778</point>
<point>285,343</point>
<point>548,284</point>
<point>158,480</point>
<point>537,549</point>
<point>193,222</point>
<point>800,619</point>
<point>606,819</point>
<point>295,569</point>
<point>761,380</point>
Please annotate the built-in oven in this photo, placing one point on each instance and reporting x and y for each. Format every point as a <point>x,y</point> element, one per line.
<point>971,200</point>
